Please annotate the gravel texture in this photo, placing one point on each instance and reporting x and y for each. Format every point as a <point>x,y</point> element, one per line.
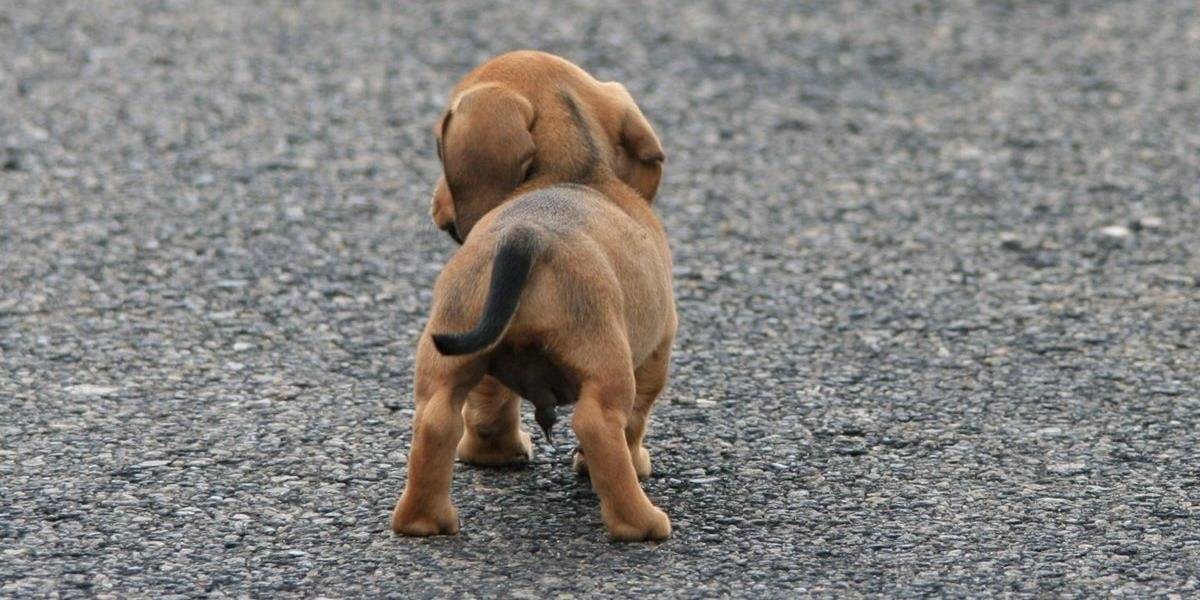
<point>936,265</point>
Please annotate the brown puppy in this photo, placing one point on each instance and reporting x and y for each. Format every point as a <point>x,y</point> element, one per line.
<point>579,307</point>
<point>531,119</point>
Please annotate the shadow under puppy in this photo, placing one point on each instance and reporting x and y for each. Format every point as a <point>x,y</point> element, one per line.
<point>579,306</point>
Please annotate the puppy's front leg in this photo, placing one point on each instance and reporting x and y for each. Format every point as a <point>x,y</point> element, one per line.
<point>425,507</point>
<point>599,423</point>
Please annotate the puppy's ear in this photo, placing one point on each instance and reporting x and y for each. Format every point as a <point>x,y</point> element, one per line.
<point>439,131</point>
<point>643,146</point>
<point>487,150</point>
<point>441,207</point>
<point>641,167</point>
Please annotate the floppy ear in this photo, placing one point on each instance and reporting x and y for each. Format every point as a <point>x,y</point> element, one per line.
<point>441,207</point>
<point>641,167</point>
<point>487,150</point>
<point>639,141</point>
<point>439,131</point>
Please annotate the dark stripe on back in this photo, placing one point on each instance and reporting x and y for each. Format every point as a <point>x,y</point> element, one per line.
<point>559,209</point>
<point>588,170</point>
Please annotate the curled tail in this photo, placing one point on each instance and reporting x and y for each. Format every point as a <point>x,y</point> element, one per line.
<point>510,269</point>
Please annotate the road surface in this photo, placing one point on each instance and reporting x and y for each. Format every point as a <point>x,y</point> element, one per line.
<point>936,269</point>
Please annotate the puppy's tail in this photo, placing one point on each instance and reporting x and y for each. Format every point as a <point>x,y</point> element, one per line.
<point>514,259</point>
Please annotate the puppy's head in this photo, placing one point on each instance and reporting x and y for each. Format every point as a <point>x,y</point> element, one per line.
<point>488,143</point>
<point>486,149</point>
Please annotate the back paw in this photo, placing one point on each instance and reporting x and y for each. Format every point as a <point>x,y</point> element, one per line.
<point>641,462</point>
<point>516,450</point>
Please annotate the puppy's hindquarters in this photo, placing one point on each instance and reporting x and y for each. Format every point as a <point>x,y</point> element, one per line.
<point>514,259</point>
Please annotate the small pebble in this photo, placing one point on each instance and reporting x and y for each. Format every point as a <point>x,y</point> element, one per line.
<point>86,389</point>
<point>150,464</point>
<point>1150,223</point>
<point>1011,241</point>
<point>1074,468</point>
<point>1115,235</point>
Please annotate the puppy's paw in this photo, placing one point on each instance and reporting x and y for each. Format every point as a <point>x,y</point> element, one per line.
<point>424,521</point>
<point>514,450</point>
<point>650,524</point>
<point>641,462</point>
<point>579,463</point>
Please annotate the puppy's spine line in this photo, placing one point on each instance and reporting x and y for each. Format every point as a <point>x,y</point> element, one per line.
<point>510,269</point>
<point>588,170</point>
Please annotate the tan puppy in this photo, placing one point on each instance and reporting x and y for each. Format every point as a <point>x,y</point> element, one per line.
<point>579,308</point>
<point>533,118</point>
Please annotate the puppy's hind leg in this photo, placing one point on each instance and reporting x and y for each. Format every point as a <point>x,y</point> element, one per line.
<point>441,388</point>
<point>650,379</point>
<point>599,423</point>
<point>492,415</point>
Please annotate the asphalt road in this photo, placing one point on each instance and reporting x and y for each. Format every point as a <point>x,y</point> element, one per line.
<point>936,266</point>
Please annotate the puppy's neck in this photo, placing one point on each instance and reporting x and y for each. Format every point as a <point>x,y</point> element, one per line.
<point>610,188</point>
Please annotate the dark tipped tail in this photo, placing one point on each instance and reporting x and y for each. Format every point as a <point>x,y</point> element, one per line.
<point>510,269</point>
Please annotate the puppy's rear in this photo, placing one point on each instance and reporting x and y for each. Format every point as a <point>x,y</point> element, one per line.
<point>515,253</point>
<point>563,263</point>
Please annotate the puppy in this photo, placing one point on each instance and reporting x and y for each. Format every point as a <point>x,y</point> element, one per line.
<point>483,138</point>
<point>529,119</point>
<point>579,306</point>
